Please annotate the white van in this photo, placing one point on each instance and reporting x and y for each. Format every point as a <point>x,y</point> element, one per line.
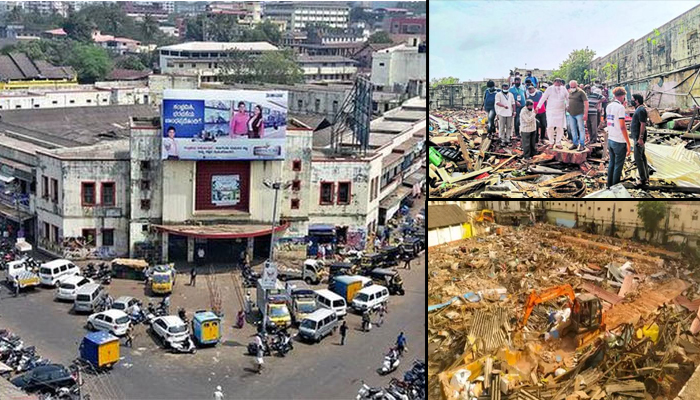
<point>88,297</point>
<point>318,325</point>
<point>370,298</point>
<point>327,299</point>
<point>52,272</point>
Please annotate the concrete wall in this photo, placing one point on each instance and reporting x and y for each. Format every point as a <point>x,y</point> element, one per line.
<point>356,172</point>
<point>298,148</point>
<point>103,95</point>
<point>653,64</point>
<point>398,67</point>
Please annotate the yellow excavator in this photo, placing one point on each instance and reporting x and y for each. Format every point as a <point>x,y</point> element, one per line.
<point>485,215</point>
<point>587,319</point>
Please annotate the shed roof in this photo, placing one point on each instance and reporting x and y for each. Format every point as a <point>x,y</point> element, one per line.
<point>445,215</point>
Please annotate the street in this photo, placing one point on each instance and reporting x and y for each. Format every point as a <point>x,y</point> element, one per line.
<point>146,371</point>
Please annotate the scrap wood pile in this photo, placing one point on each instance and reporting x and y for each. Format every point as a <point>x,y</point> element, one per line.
<point>465,162</point>
<point>478,347</point>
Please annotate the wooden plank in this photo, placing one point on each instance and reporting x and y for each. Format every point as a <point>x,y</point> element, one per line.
<point>654,116</point>
<point>627,285</point>
<point>629,386</point>
<point>469,175</point>
<point>458,191</point>
<point>504,162</point>
<point>601,293</point>
<point>443,174</point>
<point>563,178</point>
<point>465,152</point>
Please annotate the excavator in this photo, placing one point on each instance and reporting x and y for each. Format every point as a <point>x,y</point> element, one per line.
<point>587,319</point>
<point>485,215</point>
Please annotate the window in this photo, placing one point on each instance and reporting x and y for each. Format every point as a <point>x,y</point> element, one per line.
<point>89,101</point>
<point>194,65</point>
<point>343,192</point>
<point>608,209</point>
<point>104,100</point>
<point>108,193</point>
<point>145,165</point>
<point>145,204</point>
<point>619,210</point>
<point>296,185</point>
<point>87,191</point>
<point>89,235</point>
<point>296,165</point>
<point>47,231</point>
<point>36,105</point>
<point>145,184</point>
<point>18,106</point>
<point>144,228</point>
<point>295,204</point>
<point>675,216</point>
<point>54,190</point>
<point>317,105</point>
<point>108,237</point>
<point>326,193</point>
<point>44,187</point>
<point>381,64</point>
<point>181,65</point>
<point>300,104</point>
<point>335,106</point>
<point>71,101</point>
<point>54,102</point>
<point>55,233</point>
<point>695,217</point>
<point>598,208</point>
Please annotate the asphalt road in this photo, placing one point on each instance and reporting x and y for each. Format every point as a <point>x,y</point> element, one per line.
<point>319,371</point>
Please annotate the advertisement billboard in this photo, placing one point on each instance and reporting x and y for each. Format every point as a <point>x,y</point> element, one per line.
<point>224,124</point>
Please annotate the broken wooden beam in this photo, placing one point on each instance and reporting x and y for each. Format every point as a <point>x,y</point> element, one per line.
<point>601,293</point>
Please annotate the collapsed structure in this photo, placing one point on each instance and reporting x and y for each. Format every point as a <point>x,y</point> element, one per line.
<point>608,318</point>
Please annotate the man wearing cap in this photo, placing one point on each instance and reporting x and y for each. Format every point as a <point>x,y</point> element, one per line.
<point>529,129</point>
<point>505,109</point>
<point>489,107</point>
<point>557,98</point>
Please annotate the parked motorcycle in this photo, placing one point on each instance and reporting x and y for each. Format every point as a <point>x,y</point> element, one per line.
<point>367,392</point>
<point>185,346</point>
<point>253,347</point>
<point>89,271</point>
<point>391,362</point>
<point>282,343</point>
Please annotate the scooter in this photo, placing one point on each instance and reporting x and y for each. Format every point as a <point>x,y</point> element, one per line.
<point>89,271</point>
<point>398,391</point>
<point>391,362</point>
<point>367,392</point>
<point>282,344</point>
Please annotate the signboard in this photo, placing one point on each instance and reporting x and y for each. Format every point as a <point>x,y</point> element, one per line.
<point>225,190</point>
<point>268,280</point>
<point>224,124</point>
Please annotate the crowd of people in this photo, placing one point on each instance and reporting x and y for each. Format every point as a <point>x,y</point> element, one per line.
<point>541,113</point>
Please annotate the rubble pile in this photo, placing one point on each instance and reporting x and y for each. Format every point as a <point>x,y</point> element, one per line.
<point>466,162</point>
<point>643,347</point>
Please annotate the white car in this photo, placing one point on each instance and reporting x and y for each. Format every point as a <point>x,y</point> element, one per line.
<point>170,329</point>
<point>125,303</point>
<point>66,290</point>
<point>114,321</point>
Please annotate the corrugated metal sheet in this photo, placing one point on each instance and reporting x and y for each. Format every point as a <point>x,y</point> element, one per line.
<point>675,163</point>
<point>25,65</point>
<point>445,215</point>
<point>8,69</point>
<point>490,325</point>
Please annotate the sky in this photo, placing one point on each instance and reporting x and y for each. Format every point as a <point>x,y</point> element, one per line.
<point>473,40</point>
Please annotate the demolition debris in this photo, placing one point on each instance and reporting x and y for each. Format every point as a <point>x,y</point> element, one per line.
<point>550,313</point>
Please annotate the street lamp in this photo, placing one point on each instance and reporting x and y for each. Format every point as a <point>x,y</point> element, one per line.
<point>276,185</point>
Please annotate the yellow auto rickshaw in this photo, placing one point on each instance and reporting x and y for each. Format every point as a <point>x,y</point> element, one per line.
<point>162,279</point>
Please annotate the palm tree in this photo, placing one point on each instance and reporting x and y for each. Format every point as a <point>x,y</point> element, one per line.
<point>149,28</point>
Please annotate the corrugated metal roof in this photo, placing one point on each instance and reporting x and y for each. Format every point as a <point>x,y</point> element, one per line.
<point>25,65</point>
<point>445,215</point>
<point>8,69</point>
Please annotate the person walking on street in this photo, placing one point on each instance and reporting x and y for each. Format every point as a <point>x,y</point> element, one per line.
<point>529,130</point>
<point>407,263</point>
<point>401,344</point>
<point>618,139</point>
<point>557,100</point>
<point>259,359</point>
<point>578,115</point>
<point>248,302</point>
<point>382,311</point>
<point>365,321</point>
<point>505,108</point>
<point>535,95</point>
<point>638,134</point>
<point>490,106</point>
<point>193,276</point>
<point>129,336</point>
<point>343,333</point>
<point>218,394</point>
<point>519,96</point>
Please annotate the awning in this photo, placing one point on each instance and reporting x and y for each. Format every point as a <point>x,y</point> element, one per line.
<point>416,178</point>
<point>321,230</point>
<point>11,213</point>
<point>220,231</point>
<point>6,179</point>
<point>395,197</point>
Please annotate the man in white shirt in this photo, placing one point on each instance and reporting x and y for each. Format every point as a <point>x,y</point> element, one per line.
<point>557,99</point>
<point>618,139</point>
<point>505,109</point>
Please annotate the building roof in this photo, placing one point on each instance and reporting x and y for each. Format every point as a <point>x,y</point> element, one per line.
<point>445,215</point>
<point>391,159</point>
<point>73,126</point>
<point>220,46</point>
<point>303,58</point>
<point>115,150</point>
<point>17,66</point>
<point>119,74</point>
<point>315,122</point>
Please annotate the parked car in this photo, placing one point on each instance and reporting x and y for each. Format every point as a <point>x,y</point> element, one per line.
<point>53,272</point>
<point>46,378</point>
<point>318,325</point>
<point>70,285</point>
<point>125,303</point>
<point>114,321</point>
<point>370,298</point>
<point>170,329</point>
<point>89,298</point>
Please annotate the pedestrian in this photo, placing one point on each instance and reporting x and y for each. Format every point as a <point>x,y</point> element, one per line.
<point>166,304</point>
<point>240,319</point>
<point>248,302</point>
<point>606,99</point>
<point>343,333</point>
<point>594,106</point>
<point>218,394</point>
<point>557,99</point>
<point>490,106</point>
<point>109,300</point>
<point>259,359</point>
<point>129,336</point>
<point>578,115</point>
<point>381,312</point>
<point>529,130</point>
<point>505,109</point>
<point>535,95</point>
<point>532,79</point>
<point>638,134</point>
<point>193,276</point>
<point>366,322</point>
<point>618,139</point>
<point>401,344</point>
<point>322,251</point>
<point>519,96</point>
<point>407,262</point>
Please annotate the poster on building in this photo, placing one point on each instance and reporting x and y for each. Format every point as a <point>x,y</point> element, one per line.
<point>224,124</point>
<point>225,190</point>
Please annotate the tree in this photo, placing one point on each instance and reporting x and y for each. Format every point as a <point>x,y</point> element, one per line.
<point>271,67</point>
<point>90,62</point>
<point>651,213</point>
<point>576,65</point>
<point>380,37</point>
<point>609,71</point>
<point>271,30</point>
<point>79,28</point>
<point>149,28</point>
<point>443,81</point>
<point>130,62</point>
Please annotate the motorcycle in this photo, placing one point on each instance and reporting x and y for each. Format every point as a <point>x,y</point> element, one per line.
<point>391,362</point>
<point>253,347</point>
<point>282,344</point>
<point>89,271</point>
<point>398,391</point>
<point>416,374</point>
<point>184,346</point>
<point>367,392</point>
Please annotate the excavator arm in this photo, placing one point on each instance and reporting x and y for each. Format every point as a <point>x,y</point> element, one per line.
<point>546,295</point>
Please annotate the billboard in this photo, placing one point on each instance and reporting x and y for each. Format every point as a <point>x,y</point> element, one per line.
<point>224,124</point>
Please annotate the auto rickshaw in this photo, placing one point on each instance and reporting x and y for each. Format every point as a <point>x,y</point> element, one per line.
<point>100,349</point>
<point>206,327</point>
<point>162,279</point>
<point>341,268</point>
<point>388,278</point>
<point>371,261</point>
<point>391,255</point>
<point>411,247</point>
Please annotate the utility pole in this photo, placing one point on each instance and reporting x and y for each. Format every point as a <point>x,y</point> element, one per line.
<point>276,185</point>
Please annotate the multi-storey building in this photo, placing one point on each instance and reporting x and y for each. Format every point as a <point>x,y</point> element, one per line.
<point>296,15</point>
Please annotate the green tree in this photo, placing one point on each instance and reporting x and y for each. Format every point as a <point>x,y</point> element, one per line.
<point>129,62</point>
<point>380,37</point>
<point>576,65</point>
<point>651,213</point>
<point>90,62</point>
<point>15,15</point>
<point>271,30</point>
<point>450,80</point>
<point>609,71</point>
<point>79,28</point>
<point>271,67</point>
<point>149,28</point>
